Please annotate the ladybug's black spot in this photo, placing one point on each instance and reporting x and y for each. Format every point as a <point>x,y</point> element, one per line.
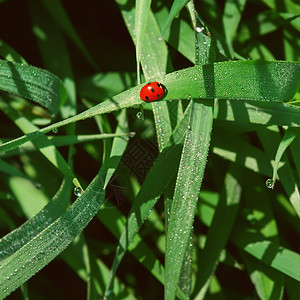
<point>152,90</point>
<point>157,96</point>
<point>147,98</point>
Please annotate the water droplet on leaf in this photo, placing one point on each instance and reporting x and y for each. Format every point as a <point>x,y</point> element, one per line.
<point>78,191</point>
<point>270,183</point>
<point>140,115</point>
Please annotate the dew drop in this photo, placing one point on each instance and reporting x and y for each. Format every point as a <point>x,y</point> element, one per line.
<point>140,115</point>
<point>199,29</point>
<point>55,130</point>
<point>270,183</point>
<point>78,191</point>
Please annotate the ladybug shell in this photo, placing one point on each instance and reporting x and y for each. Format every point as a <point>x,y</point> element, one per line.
<point>152,91</point>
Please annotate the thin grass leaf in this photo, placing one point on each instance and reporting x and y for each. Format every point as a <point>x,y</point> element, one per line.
<point>138,248</point>
<point>287,139</point>
<point>285,171</point>
<point>261,81</point>
<point>10,54</point>
<point>49,151</point>
<point>16,239</point>
<point>154,57</point>
<point>219,230</point>
<point>274,255</point>
<point>24,263</point>
<point>8,169</point>
<point>265,113</point>
<point>63,140</point>
<point>32,83</point>
<point>142,8</point>
<point>233,10</point>
<point>189,180</point>
<point>175,9</point>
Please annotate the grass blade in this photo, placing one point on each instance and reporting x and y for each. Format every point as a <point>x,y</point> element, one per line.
<point>32,83</point>
<point>24,263</point>
<point>189,179</point>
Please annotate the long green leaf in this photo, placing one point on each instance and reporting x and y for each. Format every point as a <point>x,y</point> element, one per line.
<point>244,80</point>
<point>189,180</point>
<point>40,250</point>
<point>32,83</point>
<point>175,9</point>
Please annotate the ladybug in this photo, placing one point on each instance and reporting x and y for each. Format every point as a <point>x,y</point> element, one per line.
<point>152,91</point>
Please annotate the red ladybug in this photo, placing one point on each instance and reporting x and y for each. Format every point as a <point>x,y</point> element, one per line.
<point>152,91</point>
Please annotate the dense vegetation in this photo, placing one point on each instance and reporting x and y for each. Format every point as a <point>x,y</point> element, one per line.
<point>200,188</point>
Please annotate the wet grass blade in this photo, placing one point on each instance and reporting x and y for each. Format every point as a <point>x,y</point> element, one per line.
<point>45,246</point>
<point>32,83</point>
<point>261,81</point>
<point>189,180</point>
<point>142,8</point>
<point>175,9</point>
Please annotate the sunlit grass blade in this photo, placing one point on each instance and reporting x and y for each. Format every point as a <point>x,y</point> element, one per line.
<point>153,186</point>
<point>272,254</point>
<point>49,151</point>
<point>267,281</point>
<point>16,239</point>
<point>41,249</point>
<point>32,83</point>
<point>63,140</point>
<point>10,54</point>
<point>287,139</point>
<point>222,81</point>
<point>154,58</point>
<point>142,8</point>
<point>233,10</point>
<point>219,230</point>
<point>175,10</point>
<point>189,180</point>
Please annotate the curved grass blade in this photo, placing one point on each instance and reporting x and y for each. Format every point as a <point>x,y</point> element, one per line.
<point>16,239</point>
<point>260,81</point>
<point>32,83</point>
<point>175,9</point>
<point>41,249</point>
<point>287,139</point>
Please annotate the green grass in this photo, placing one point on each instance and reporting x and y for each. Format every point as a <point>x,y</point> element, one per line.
<point>180,184</point>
